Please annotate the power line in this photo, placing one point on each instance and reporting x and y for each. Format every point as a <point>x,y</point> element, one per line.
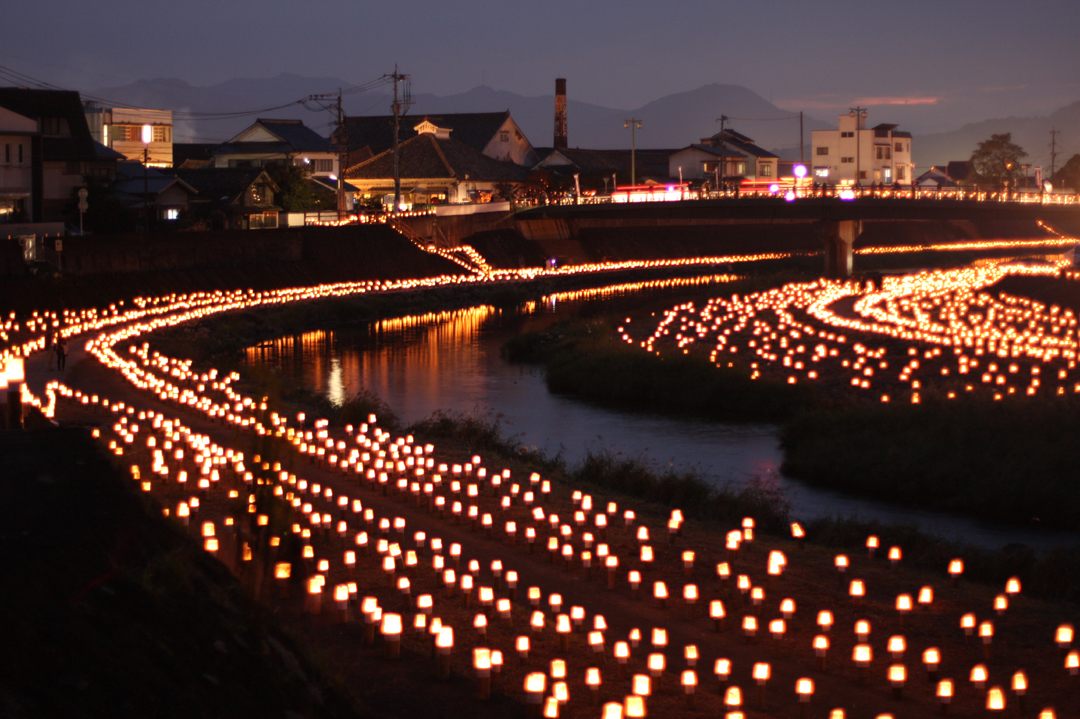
<point>764,119</point>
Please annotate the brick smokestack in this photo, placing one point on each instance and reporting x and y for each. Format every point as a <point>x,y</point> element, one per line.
<point>560,113</point>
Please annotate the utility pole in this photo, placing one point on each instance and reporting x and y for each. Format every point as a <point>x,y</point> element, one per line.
<point>401,104</point>
<point>720,181</point>
<point>1053,151</point>
<point>634,124</point>
<point>341,140</point>
<point>858,113</point>
<point>801,160</point>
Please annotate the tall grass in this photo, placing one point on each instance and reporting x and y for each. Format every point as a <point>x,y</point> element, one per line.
<point>1014,462</point>
<point>582,359</point>
<point>1052,575</point>
<point>636,477</point>
<point>762,499</point>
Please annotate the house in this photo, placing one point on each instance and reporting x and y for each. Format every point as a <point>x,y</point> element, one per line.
<point>601,170</point>
<point>434,168</point>
<point>20,169</point>
<point>235,198</point>
<point>193,155</point>
<point>141,188</point>
<point>121,129</point>
<point>854,154</point>
<point>730,154</point>
<point>271,142</point>
<point>69,154</point>
<point>494,134</point>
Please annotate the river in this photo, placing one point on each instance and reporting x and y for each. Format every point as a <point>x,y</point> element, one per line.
<point>450,361</point>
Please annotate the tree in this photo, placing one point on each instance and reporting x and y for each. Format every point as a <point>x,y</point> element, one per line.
<point>297,194</point>
<point>998,159</point>
<point>105,214</point>
<point>1069,175</point>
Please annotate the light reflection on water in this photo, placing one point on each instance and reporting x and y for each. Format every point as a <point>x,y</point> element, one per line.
<point>450,361</point>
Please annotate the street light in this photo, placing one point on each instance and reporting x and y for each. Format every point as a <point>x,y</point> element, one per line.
<point>634,124</point>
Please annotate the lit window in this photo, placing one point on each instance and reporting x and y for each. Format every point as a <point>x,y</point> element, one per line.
<point>766,170</point>
<point>172,213</point>
<point>161,133</point>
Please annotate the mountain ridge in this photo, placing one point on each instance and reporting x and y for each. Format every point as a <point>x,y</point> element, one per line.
<point>669,122</point>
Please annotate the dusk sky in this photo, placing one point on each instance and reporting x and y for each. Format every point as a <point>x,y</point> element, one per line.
<point>949,61</point>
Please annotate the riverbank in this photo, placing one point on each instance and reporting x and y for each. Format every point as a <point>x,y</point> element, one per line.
<point>626,476</point>
<point>115,611</point>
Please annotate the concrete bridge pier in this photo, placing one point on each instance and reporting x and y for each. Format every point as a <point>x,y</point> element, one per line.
<point>839,237</point>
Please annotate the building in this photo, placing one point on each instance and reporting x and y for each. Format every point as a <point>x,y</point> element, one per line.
<point>272,142</point>
<point>237,198</point>
<point>494,134</point>
<point>955,173</point>
<point>153,195</point>
<point>69,154</point>
<point>20,168</point>
<point>854,154</point>
<point>602,170</point>
<point>433,168</point>
<point>121,129</point>
<point>742,160</point>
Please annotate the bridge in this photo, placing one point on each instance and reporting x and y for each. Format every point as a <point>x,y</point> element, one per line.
<point>837,222</point>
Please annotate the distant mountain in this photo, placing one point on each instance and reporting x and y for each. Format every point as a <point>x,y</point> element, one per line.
<point>672,121</point>
<point>1031,133</point>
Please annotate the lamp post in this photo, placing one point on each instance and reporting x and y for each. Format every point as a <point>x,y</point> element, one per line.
<point>147,136</point>
<point>634,124</point>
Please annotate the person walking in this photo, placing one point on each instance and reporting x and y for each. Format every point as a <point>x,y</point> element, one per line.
<point>61,352</point>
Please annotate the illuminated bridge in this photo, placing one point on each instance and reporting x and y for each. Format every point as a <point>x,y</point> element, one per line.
<point>837,222</point>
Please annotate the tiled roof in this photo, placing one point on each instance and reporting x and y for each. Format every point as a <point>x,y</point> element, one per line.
<point>183,151</point>
<point>254,148</point>
<point>293,137</point>
<point>427,157</point>
<point>729,150</point>
<point>66,104</point>
<point>377,132</point>
<point>301,137</point>
<point>217,183</point>
<point>958,169</point>
<point>650,163</point>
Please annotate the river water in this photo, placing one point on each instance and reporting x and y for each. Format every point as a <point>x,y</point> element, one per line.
<point>450,361</point>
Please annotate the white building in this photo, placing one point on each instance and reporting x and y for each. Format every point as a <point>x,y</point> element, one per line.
<point>121,128</point>
<point>743,159</point>
<point>855,154</point>
<point>17,196</point>
<point>275,142</point>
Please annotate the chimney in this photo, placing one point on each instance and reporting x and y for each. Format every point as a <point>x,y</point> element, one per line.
<point>560,113</point>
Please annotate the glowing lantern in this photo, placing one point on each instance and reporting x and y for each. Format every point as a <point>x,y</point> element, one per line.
<point>995,699</point>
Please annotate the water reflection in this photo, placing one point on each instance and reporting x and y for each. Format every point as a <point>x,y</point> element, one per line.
<point>450,361</point>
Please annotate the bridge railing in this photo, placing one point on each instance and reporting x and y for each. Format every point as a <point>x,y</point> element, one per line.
<point>953,194</point>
